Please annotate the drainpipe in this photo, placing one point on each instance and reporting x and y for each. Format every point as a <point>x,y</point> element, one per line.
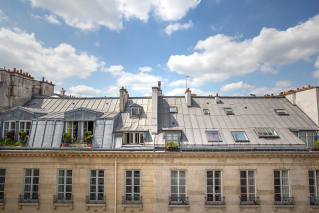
<point>115,167</point>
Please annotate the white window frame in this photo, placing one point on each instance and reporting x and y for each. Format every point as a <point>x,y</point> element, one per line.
<point>232,132</point>
<point>281,184</point>
<point>2,183</point>
<point>32,184</point>
<point>266,133</point>
<point>9,129</point>
<point>230,113</point>
<point>178,186</point>
<point>307,142</point>
<point>171,109</point>
<point>134,196</point>
<point>64,184</point>
<point>132,137</point>
<point>248,192</point>
<point>96,195</point>
<point>315,178</point>
<point>215,198</point>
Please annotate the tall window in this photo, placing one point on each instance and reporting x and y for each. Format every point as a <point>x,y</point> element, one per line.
<point>97,185</point>
<point>65,184</point>
<point>178,186</point>
<point>247,185</point>
<point>87,126</point>
<point>31,184</point>
<point>2,182</point>
<point>214,185</point>
<point>24,126</point>
<point>313,183</point>
<point>281,184</point>
<point>172,137</point>
<point>8,126</point>
<point>132,185</point>
<point>133,137</point>
<point>308,138</point>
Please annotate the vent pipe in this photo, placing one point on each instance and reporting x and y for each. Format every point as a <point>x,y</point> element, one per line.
<point>217,99</point>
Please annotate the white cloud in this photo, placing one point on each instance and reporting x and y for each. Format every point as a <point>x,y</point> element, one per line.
<point>265,68</point>
<point>236,86</point>
<point>3,16</point>
<point>36,16</point>
<point>115,70</point>
<point>90,15</point>
<point>145,69</point>
<point>181,92</point>
<point>316,73</point>
<point>52,19</point>
<point>20,49</point>
<point>281,86</point>
<point>196,82</point>
<point>177,26</point>
<point>113,90</point>
<point>221,56</point>
<point>97,44</point>
<point>82,90</point>
<point>215,29</point>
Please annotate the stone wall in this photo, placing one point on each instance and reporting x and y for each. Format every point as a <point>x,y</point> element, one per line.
<point>155,178</point>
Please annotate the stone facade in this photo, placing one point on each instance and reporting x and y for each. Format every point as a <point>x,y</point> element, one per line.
<point>155,170</point>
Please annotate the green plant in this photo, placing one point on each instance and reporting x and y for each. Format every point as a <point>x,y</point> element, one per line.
<point>9,142</point>
<point>22,138</point>
<point>171,144</point>
<point>2,142</point>
<point>10,134</point>
<point>74,133</point>
<point>317,143</point>
<point>66,136</point>
<point>88,136</point>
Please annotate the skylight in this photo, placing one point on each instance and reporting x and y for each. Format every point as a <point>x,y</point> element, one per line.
<point>281,112</point>
<point>266,132</point>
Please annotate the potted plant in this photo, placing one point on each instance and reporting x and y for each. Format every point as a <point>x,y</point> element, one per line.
<point>22,137</point>
<point>171,146</point>
<point>66,138</point>
<point>88,136</point>
<point>316,147</point>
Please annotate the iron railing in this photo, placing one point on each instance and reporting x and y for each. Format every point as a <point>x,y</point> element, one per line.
<point>178,201</point>
<point>314,201</point>
<point>215,200</point>
<point>92,199</point>
<point>249,200</point>
<point>136,199</point>
<point>284,201</point>
<point>2,198</point>
<point>62,199</point>
<point>28,198</point>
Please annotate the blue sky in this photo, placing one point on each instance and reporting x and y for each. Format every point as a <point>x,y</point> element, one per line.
<point>92,48</point>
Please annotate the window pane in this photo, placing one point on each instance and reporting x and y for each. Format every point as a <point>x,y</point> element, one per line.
<point>174,189</point>
<point>182,174</point>
<point>13,126</point>
<point>6,125</point>
<point>209,174</point>
<point>93,173</point>
<point>61,173</point>
<point>128,181</point>
<point>101,181</point>
<point>60,188</point>
<point>35,180</point>
<point>68,188</point>
<point>174,174</point>
<point>209,182</point>
<point>69,181</point>
<point>128,189</point>
<point>36,172</point>
<point>213,136</point>
<point>21,126</point>
<point>61,181</point>
<point>240,136</point>
<point>27,180</point>
<point>277,174</point>
<point>136,173</point>
<point>28,172</point>
<point>128,173</point>
<point>69,173</point>
<point>182,182</point>
<point>210,189</point>
<point>242,174</point>
<point>136,181</point>
<point>101,173</point>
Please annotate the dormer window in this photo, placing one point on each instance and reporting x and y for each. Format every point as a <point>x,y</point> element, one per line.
<point>281,112</point>
<point>172,109</point>
<point>229,111</point>
<point>135,110</point>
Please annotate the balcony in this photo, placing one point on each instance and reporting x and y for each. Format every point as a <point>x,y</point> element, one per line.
<point>215,202</point>
<point>95,201</point>
<point>61,200</point>
<point>28,200</point>
<point>2,200</point>
<point>249,200</point>
<point>129,201</point>
<point>314,201</point>
<point>284,202</point>
<point>178,202</point>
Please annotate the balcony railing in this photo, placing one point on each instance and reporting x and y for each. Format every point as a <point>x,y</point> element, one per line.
<point>1,198</point>
<point>249,200</point>
<point>28,198</point>
<point>135,200</point>
<point>284,201</point>
<point>214,201</point>
<point>314,201</point>
<point>178,201</point>
<point>95,199</point>
<point>62,199</point>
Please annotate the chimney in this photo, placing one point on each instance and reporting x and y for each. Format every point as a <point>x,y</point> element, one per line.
<point>293,98</point>
<point>188,97</point>
<point>43,79</point>
<point>62,92</point>
<point>123,99</point>
<point>20,71</point>
<point>217,100</point>
<point>155,93</point>
<point>14,69</point>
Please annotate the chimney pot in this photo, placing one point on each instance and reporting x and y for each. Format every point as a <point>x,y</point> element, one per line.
<point>50,82</point>
<point>46,81</point>
<point>27,74</point>
<point>308,86</point>
<point>20,71</point>
<point>272,94</point>
<point>43,79</point>
<point>14,69</point>
<point>24,73</point>
<point>303,87</point>
<point>311,86</point>
<point>8,70</point>
<point>297,89</point>
<point>122,88</point>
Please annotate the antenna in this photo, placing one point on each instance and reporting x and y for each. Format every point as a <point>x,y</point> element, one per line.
<point>186,81</point>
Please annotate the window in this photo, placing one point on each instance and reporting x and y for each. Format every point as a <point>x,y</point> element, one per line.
<point>31,184</point>
<point>313,183</point>
<point>247,186</point>
<point>73,126</point>
<point>213,136</point>
<point>88,126</point>
<point>281,112</point>
<point>172,109</point>
<point>206,111</point>
<point>170,136</point>
<point>65,184</point>
<point>2,182</point>
<point>178,186</point>
<point>25,126</point>
<point>281,184</point>
<point>133,138</point>
<point>214,186</point>
<point>135,112</point>
<point>266,133</point>
<point>240,136</point>
<point>132,185</point>
<point>308,138</point>
<point>8,126</point>
<point>229,111</point>
<point>97,185</point>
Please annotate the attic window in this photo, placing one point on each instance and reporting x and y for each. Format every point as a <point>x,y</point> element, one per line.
<point>172,109</point>
<point>213,136</point>
<point>266,133</point>
<point>229,111</point>
<point>206,111</point>
<point>134,137</point>
<point>240,136</point>
<point>281,112</point>
<point>135,112</point>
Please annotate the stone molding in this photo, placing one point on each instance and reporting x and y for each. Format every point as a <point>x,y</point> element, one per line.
<point>94,205</point>
<point>223,207</point>
<point>140,206</point>
<point>28,204</point>
<point>178,206</point>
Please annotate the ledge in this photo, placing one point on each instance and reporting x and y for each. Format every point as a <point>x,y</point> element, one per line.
<point>63,205</point>
<point>140,206</point>
<point>95,205</point>
<point>29,204</point>
<point>250,206</point>
<point>223,207</point>
<point>284,206</point>
<point>178,206</point>
<point>311,207</point>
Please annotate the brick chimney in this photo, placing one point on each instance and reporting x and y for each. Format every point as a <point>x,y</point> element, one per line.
<point>188,97</point>
<point>123,99</point>
<point>62,92</point>
<point>217,99</point>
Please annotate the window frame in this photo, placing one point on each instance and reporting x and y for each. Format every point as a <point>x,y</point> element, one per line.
<point>216,141</point>
<point>97,195</point>
<point>32,184</point>
<point>247,186</point>
<point>315,181</point>
<point>4,135</point>
<point>64,184</point>
<point>286,113</point>
<point>240,140</point>
<point>178,185</point>
<point>132,194</point>
<point>132,138</point>
<point>2,183</point>
<point>214,185</point>
<point>232,111</point>
<point>206,113</point>
<point>173,107</point>
<point>135,115</point>
<point>281,185</point>
<point>267,129</point>
<point>307,142</point>
<point>174,134</point>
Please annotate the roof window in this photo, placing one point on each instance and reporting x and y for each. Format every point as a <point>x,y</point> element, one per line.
<point>281,112</point>
<point>206,111</point>
<point>240,136</point>
<point>135,110</point>
<point>266,133</point>
<point>213,136</point>
<point>173,109</point>
<point>229,111</point>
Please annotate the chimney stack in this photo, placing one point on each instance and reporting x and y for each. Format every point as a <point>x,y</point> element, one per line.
<point>155,93</point>
<point>62,92</point>
<point>188,97</point>
<point>159,89</point>
<point>123,99</point>
<point>217,100</point>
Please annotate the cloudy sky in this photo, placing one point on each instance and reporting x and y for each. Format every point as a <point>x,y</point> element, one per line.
<point>92,48</point>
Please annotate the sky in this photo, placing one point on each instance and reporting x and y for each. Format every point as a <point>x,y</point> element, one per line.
<point>233,48</point>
